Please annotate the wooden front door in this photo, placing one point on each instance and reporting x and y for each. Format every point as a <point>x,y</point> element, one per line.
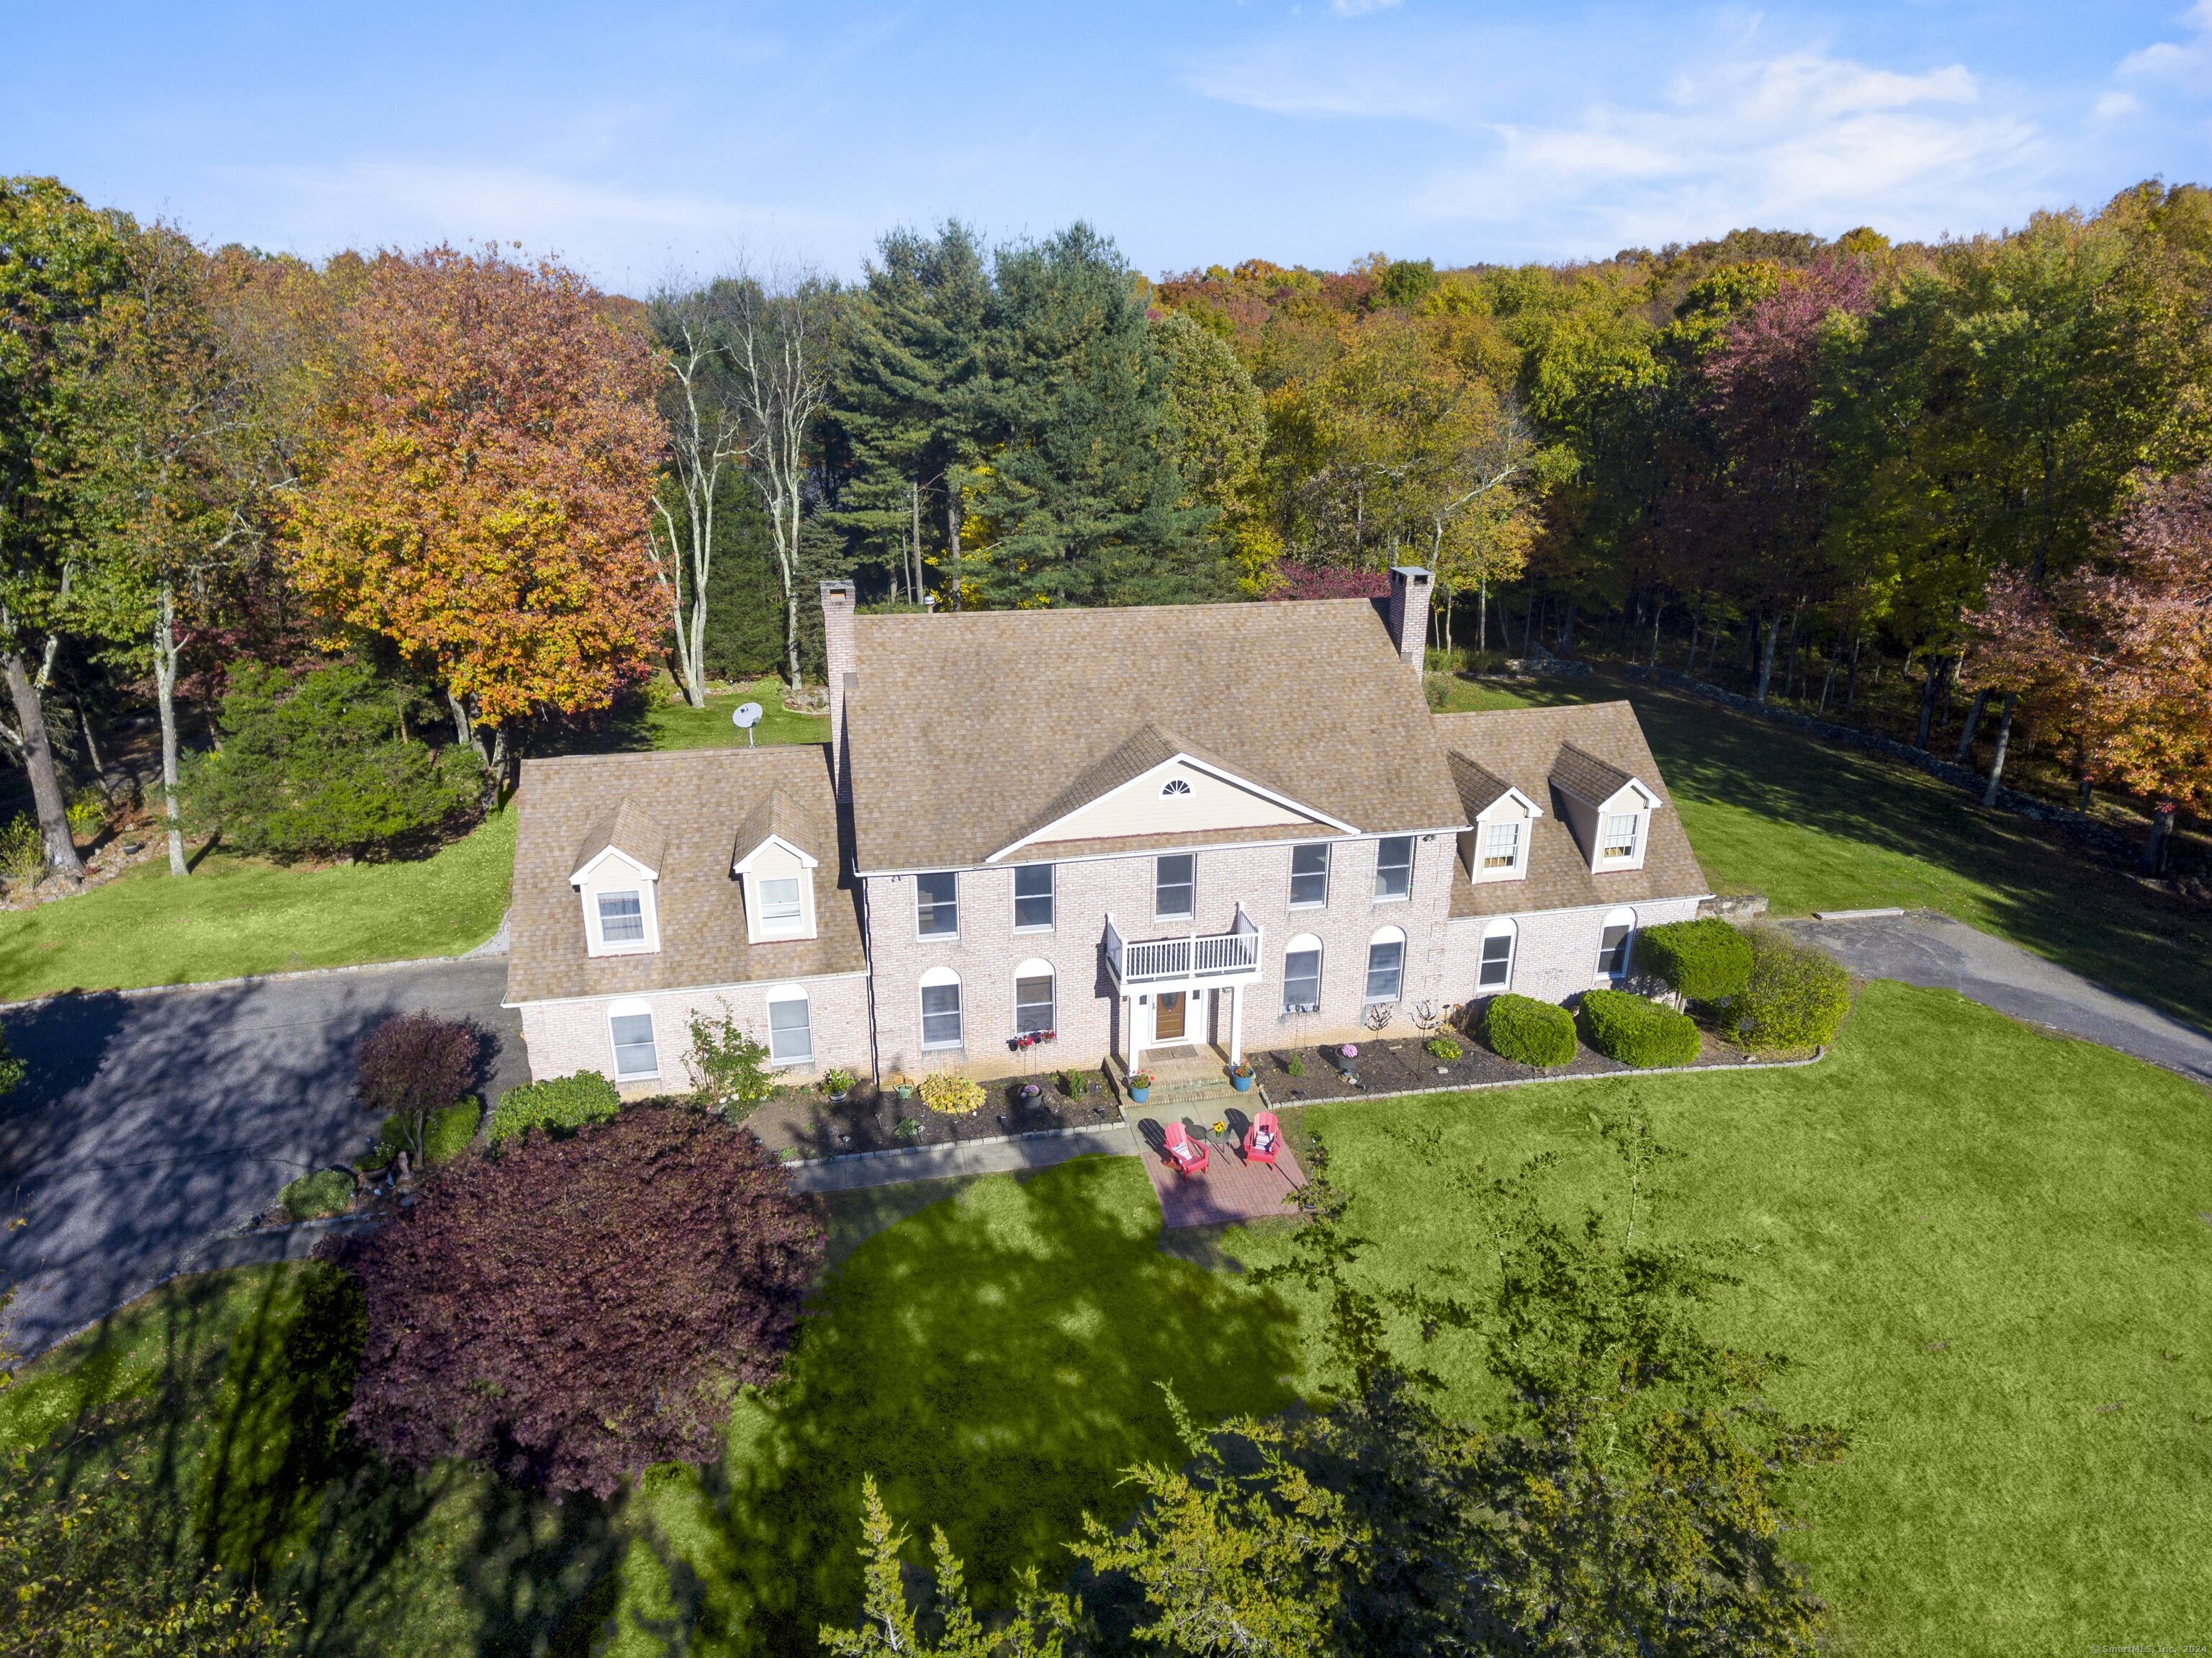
<point>1167,1015</point>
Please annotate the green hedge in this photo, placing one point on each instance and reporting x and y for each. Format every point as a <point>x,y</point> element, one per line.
<point>311,1196</point>
<point>1528,1032</point>
<point>1638,1033</point>
<point>1706,960</point>
<point>560,1105</point>
<point>1795,999</point>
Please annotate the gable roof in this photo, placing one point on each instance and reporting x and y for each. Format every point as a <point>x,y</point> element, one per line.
<point>779,817</point>
<point>1587,777</point>
<point>1524,748</point>
<point>702,798</point>
<point>629,829</point>
<point>1478,791</point>
<point>970,731</point>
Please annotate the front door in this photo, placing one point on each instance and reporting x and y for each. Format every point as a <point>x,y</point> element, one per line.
<point>1167,1015</point>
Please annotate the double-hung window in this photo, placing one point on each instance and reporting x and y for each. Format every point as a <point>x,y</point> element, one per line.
<point>937,904</point>
<point>1302,975</point>
<point>782,910</point>
<point>1386,964</point>
<point>1032,897</point>
<point>940,1009</point>
<point>1033,1010</point>
<point>1497,969</point>
<point>1174,887</point>
<point>1617,837</point>
<point>1501,846</point>
<point>1310,876</point>
<point>630,1025</point>
<point>1613,943</point>
<point>622,918</point>
<point>1393,867</point>
<point>790,1029</point>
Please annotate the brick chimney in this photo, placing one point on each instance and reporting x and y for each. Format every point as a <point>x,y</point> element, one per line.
<point>1409,612</point>
<point>839,661</point>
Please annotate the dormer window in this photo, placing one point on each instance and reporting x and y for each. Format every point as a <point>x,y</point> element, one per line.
<point>622,918</point>
<point>1609,810</point>
<point>1617,840</point>
<point>619,892</point>
<point>783,910</point>
<point>778,877</point>
<point>1501,846</point>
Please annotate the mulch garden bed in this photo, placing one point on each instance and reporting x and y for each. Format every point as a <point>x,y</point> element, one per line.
<point>1406,1067</point>
<point>803,1122</point>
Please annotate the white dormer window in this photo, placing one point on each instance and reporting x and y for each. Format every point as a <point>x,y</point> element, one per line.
<point>1620,836</point>
<point>779,892</point>
<point>1609,811</point>
<point>620,897</point>
<point>1501,846</point>
<point>1498,847</point>
<point>622,918</point>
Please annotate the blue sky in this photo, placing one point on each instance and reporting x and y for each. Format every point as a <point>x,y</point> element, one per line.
<point>646,141</point>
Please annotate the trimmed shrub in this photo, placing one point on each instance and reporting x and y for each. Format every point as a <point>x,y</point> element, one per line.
<point>1528,1032</point>
<point>1638,1032</point>
<point>1795,999</point>
<point>311,1196</point>
<point>1707,960</point>
<point>560,1105</point>
<point>951,1095</point>
<point>573,1311</point>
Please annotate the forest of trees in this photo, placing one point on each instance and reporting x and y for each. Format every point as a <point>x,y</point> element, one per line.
<point>1972,472</point>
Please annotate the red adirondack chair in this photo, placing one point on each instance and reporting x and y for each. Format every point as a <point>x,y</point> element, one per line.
<point>1185,1158</point>
<point>1258,1151</point>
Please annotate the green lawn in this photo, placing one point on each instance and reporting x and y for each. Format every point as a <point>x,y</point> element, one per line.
<point>1817,827</point>
<point>235,915</point>
<point>1972,1238</point>
<point>673,725</point>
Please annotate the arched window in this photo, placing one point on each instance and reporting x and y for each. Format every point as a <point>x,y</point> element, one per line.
<point>1301,974</point>
<point>940,1009</point>
<point>1034,1006</point>
<point>1386,964</point>
<point>1496,972</point>
<point>790,1026</point>
<point>1615,944</point>
<point>636,1055</point>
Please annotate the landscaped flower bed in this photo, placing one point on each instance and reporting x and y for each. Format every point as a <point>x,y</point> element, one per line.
<point>1405,1066</point>
<point>803,1122</point>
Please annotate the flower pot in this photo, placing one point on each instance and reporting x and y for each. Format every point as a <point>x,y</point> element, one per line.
<point>1140,1095</point>
<point>1242,1084</point>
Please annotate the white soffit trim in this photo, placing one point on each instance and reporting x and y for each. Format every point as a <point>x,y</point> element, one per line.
<point>600,856</point>
<point>745,863</point>
<point>1510,794</point>
<point>1151,777</point>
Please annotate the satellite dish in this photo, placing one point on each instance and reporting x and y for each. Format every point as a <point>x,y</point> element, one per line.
<point>745,717</point>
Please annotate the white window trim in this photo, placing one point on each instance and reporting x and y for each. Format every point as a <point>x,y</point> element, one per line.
<point>1382,936</point>
<point>648,888</point>
<point>1413,867</point>
<point>1052,897</point>
<point>952,937</point>
<point>631,1010</point>
<point>1513,808</point>
<point>937,978</point>
<point>1297,946</point>
<point>1035,968</point>
<point>1327,875</point>
<point>1508,931</point>
<point>1191,914</point>
<point>781,993</point>
<point>1614,917</point>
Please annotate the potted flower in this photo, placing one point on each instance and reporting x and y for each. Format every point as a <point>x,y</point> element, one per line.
<point>900,1086</point>
<point>838,1085</point>
<point>1140,1086</point>
<point>1347,1062</point>
<point>1240,1076</point>
<point>1030,1094</point>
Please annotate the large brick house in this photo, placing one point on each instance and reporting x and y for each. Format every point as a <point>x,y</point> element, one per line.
<point>1138,830</point>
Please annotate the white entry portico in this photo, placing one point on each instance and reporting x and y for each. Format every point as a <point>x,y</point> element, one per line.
<point>1167,986</point>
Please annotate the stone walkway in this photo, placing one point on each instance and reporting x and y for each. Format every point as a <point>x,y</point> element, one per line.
<point>1928,949</point>
<point>1231,1189</point>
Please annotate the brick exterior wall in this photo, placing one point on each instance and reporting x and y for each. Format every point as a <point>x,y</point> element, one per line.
<point>1554,952</point>
<point>1089,1014</point>
<point>567,1037</point>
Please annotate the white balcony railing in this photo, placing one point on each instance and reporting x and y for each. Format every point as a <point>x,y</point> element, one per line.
<point>1195,955</point>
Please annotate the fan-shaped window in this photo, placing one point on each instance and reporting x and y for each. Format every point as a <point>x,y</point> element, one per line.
<point>1173,787</point>
<point>1301,974</point>
<point>1386,964</point>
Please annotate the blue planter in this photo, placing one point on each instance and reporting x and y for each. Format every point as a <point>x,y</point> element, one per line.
<point>1243,1084</point>
<point>1140,1095</point>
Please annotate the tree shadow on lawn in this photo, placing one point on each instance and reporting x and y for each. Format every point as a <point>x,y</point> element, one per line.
<point>2040,889</point>
<point>993,1360</point>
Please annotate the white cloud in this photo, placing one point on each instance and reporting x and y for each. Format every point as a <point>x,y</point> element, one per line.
<point>2188,61</point>
<point>1359,8</point>
<point>2114,106</point>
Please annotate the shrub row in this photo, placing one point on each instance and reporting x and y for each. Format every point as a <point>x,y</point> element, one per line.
<point>560,1105</point>
<point>1528,1032</point>
<point>1795,997</point>
<point>1707,960</point>
<point>1638,1032</point>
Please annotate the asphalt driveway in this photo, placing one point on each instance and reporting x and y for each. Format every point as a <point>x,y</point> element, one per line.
<point>149,1124</point>
<point>1926,947</point>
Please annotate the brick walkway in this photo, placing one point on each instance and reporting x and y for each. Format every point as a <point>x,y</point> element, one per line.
<point>1230,1190</point>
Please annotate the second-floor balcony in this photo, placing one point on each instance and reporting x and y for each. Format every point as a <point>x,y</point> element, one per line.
<point>1210,958</point>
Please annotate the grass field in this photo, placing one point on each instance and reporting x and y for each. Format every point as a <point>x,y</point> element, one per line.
<point>1979,1245</point>
<point>234,916</point>
<point>666,725</point>
<point>1816,827</point>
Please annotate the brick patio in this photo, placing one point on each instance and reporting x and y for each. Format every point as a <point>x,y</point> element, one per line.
<point>1231,1189</point>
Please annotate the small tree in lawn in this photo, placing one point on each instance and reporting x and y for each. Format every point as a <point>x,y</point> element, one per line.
<point>414,1065</point>
<point>729,1066</point>
<point>572,1311</point>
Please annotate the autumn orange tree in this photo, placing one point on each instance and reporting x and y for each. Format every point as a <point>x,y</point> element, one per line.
<point>481,500</point>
